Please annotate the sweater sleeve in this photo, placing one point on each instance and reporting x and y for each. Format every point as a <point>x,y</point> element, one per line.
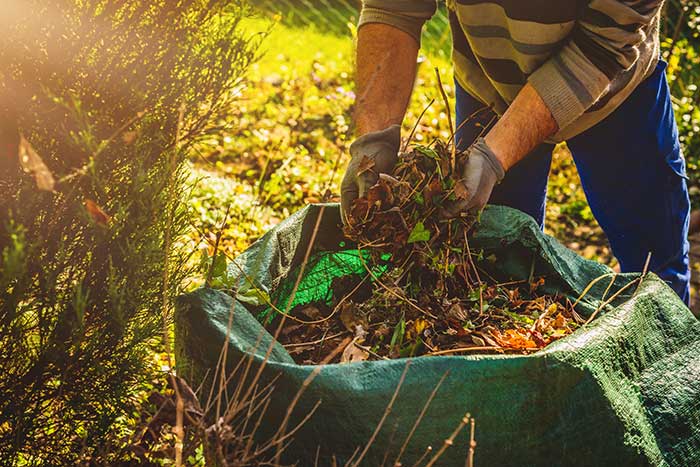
<point>406,15</point>
<point>605,42</point>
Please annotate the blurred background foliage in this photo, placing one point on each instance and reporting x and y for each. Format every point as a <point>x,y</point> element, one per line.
<point>101,100</point>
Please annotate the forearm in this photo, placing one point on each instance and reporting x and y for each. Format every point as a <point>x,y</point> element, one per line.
<point>386,70</point>
<point>526,124</point>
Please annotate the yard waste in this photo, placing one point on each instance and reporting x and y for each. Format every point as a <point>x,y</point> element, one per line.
<point>423,289</point>
<point>622,390</point>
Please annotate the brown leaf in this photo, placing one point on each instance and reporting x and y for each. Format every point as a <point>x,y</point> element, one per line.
<point>457,312</point>
<point>312,312</point>
<point>359,210</point>
<point>32,163</point>
<point>380,195</point>
<point>97,213</point>
<point>353,353</point>
<point>461,190</point>
<point>432,190</point>
<point>351,318</point>
<point>488,339</point>
<point>559,321</point>
<point>365,164</point>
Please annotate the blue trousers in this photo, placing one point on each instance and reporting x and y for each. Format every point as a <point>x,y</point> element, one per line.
<point>632,171</point>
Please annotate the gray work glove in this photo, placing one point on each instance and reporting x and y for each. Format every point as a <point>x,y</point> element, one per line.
<point>480,173</point>
<point>381,148</point>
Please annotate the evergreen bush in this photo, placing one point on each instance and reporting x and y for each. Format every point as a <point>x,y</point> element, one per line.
<point>100,101</point>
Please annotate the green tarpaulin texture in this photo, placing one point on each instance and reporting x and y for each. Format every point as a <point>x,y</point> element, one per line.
<point>623,390</point>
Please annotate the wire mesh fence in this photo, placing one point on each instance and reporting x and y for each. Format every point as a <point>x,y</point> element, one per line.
<point>340,17</point>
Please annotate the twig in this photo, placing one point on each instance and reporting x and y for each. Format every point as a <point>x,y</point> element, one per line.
<point>465,121</point>
<point>317,341</point>
<point>472,444</point>
<point>449,441</point>
<point>270,347</point>
<point>471,260</point>
<point>387,411</point>
<point>466,349</point>
<point>644,271</point>
<point>392,292</point>
<point>335,308</point>
<point>590,286</point>
<point>607,289</point>
<point>280,436</point>
<point>370,351</point>
<point>613,297</point>
<point>427,451</point>
<point>476,272</point>
<point>453,159</point>
<point>420,418</point>
<point>413,131</point>
<point>389,445</point>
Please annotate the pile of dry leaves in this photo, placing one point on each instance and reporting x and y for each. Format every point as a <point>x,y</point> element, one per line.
<point>433,298</point>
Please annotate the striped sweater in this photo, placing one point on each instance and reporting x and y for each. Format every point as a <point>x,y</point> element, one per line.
<point>584,57</point>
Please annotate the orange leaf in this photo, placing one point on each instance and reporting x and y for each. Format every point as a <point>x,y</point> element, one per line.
<point>32,163</point>
<point>96,213</point>
<point>461,190</point>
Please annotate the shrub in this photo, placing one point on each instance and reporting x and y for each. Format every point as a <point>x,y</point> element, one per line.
<point>101,100</point>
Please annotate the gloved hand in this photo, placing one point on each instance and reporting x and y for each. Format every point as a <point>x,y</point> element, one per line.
<point>381,148</point>
<point>480,173</point>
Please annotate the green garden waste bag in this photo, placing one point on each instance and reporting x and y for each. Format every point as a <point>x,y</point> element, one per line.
<point>623,390</point>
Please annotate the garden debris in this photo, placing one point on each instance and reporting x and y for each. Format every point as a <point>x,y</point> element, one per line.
<point>434,295</point>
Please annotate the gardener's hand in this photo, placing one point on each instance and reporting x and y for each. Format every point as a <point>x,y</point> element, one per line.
<point>371,154</point>
<point>480,173</point>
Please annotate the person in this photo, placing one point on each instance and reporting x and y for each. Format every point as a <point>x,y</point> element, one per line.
<point>530,74</point>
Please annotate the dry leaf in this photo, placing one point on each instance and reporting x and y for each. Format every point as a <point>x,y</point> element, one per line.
<point>486,338</point>
<point>432,190</point>
<point>536,285</point>
<point>380,195</point>
<point>461,190</point>
<point>458,313</point>
<point>353,353</point>
<point>32,163</point>
<point>351,317</point>
<point>366,164</point>
<point>312,312</point>
<point>560,321</point>
<point>129,137</point>
<point>96,213</point>
<point>512,339</point>
<point>478,340</point>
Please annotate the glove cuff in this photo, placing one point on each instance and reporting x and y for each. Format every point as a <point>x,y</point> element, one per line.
<point>483,148</point>
<point>389,137</point>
